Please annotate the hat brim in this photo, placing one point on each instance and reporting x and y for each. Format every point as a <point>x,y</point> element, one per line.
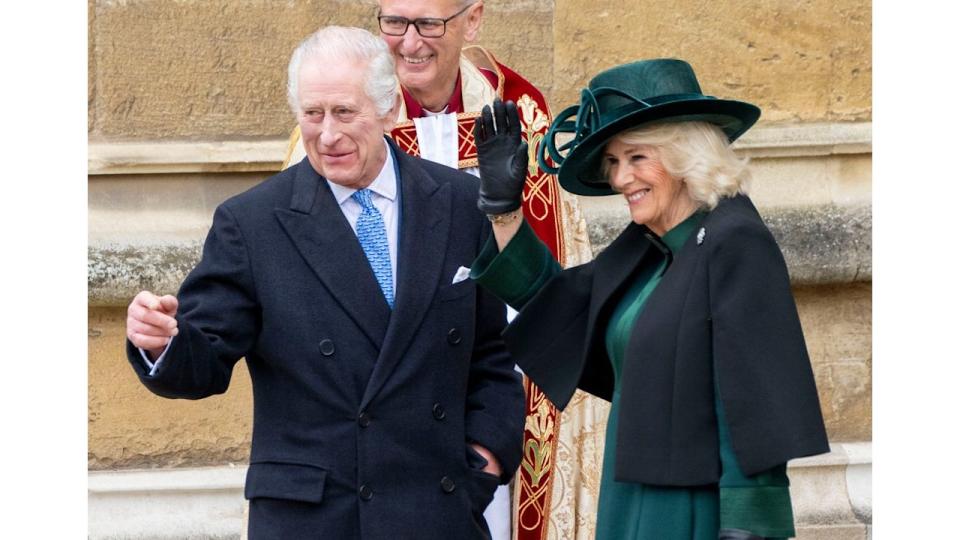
<point>580,172</point>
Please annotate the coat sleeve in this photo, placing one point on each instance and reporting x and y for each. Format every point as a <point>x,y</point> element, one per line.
<point>548,338</point>
<point>495,400</point>
<point>765,381</point>
<point>515,274</point>
<point>218,319</point>
<point>758,503</point>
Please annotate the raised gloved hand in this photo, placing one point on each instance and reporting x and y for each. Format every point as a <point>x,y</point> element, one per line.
<point>502,156</point>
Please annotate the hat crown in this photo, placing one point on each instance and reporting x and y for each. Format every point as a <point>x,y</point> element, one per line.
<point>644,80</point>
<point>625,97</point>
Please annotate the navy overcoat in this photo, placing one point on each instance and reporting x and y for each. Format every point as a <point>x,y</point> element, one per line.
<point>362,416</point>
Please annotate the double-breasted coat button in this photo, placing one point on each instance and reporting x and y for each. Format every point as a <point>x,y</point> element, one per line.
<point>365,492</point>
<point>447,485</point>
<point>326,347</point>
<point>438,411</point>
<point>363,419</point>
<point>453,336</point>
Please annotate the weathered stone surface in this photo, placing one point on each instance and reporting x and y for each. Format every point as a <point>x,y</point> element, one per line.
<point>833,532</point>
<point>217,69</point>
<point>838,328</point>
<point>844,180</point>
<point>155,209</point>
<point>91,65</point>
<point>520,35</point>
<point>202,68</point>
<point>115,274</point>
<point>129,427</point>
<point>823,497</point>
<point>821,244</point>
<point>824,244</point>
<point>820,495</point>
<point>799,61</point>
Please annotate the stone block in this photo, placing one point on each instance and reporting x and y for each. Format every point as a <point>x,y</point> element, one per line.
<point>129,427</point>
<point>520,35</point>
<point>802,181</point>
<point>217,69</point>
<point>837,324</point>
<point>824,244</point>
<point>806,61</point>
<point>202,68</point>
<point>115,274</point>
<point>833,532</point>
<point>821,244</point>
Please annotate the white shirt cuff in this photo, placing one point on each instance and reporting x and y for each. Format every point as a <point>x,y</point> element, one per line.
<point>154,366</point>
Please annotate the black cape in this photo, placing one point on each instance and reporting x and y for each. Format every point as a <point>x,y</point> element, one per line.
<point>724,305</point>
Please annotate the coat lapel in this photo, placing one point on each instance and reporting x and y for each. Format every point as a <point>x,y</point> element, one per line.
<point>322,235</point>
<point>615,265</point>
<point>424,229</point>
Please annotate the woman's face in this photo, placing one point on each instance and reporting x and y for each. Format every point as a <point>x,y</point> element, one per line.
<point>655,198</point>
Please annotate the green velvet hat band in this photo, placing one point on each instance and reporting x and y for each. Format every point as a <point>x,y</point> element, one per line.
<point>625,97</point>
<point>589,119</point>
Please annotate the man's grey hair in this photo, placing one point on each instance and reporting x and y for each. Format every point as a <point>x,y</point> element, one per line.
<point>353,45</point>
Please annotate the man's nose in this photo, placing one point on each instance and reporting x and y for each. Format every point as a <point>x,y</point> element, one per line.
<point>411,38</point>
<point>329,131</point>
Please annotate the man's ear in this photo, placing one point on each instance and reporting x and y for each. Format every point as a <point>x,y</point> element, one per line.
<point>473,20</point>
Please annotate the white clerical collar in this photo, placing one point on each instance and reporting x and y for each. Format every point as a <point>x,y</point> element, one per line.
<point>438,113</point>
<point>385,184</point>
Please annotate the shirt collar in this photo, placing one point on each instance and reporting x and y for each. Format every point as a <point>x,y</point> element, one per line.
<point>385,184</point>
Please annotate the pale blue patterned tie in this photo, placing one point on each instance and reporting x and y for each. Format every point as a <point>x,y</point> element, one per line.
<point>373,239</point>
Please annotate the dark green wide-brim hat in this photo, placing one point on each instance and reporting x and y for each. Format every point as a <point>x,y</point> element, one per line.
<point>626,97</point>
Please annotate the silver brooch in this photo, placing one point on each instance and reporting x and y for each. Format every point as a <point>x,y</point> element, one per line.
<point>700,235</point>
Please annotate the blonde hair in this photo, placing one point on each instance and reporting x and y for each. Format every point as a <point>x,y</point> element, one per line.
<point>697,153</point>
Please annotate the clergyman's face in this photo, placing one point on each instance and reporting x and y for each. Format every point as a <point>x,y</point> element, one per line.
<point>342,134</point>
<point>429,64</point>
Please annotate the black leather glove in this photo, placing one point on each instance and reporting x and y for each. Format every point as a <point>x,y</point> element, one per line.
<point>738,534</point>
<point>502,156</point>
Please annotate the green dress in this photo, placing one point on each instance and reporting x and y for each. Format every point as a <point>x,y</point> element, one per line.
<point>637,511</point>
<point>629,510</point>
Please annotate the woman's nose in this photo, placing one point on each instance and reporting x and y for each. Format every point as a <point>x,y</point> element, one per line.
<point>620,177</point>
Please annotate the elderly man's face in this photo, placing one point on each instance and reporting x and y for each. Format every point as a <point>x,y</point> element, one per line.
<point>342,135</point>
<point>428,65</point>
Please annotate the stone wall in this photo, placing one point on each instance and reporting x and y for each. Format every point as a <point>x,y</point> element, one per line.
<point>216,69</point>
<point>187,107</point>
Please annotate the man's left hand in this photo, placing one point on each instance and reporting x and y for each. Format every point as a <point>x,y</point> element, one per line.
<point>493,466</point>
